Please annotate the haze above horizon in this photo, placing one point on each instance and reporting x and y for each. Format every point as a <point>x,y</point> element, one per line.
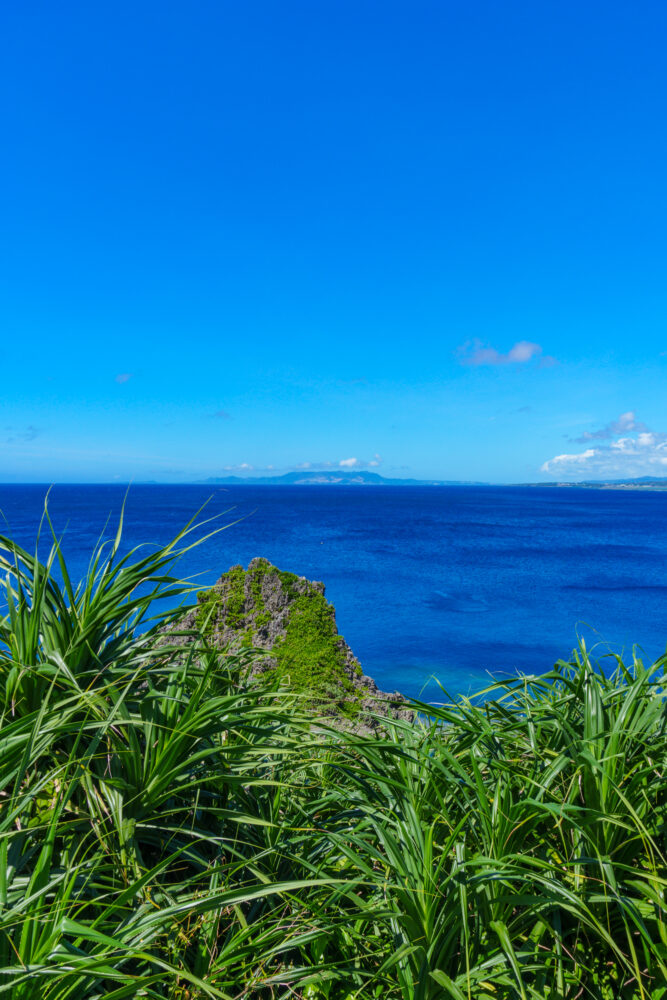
<point>425,241</point>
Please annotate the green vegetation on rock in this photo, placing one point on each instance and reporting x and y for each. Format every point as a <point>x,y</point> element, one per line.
<point>310,655</point>
<point>304,648</point>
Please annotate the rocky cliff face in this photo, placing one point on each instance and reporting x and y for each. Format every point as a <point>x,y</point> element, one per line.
<point>289,618</point>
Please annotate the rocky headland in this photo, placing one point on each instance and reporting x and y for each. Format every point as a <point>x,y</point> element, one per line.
<point>288,619</point>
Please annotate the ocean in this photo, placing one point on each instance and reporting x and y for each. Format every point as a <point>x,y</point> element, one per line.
<point>459,584</point>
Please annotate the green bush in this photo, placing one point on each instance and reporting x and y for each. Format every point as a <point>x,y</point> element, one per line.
<point>168,832</point>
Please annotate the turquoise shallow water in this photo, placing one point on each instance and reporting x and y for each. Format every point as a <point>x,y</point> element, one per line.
<point>453,582</point>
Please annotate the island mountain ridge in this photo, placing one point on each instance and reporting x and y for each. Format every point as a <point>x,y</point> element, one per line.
<point>338,477</point>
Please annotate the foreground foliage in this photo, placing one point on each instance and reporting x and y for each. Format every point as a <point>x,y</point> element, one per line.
<point>167,831</point>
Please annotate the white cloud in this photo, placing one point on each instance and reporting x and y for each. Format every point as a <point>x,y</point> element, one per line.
<point>522,351</point>
<point>636,451</point>
<point>359,463</point>
<point>476,353</point>
<point>561,460</point>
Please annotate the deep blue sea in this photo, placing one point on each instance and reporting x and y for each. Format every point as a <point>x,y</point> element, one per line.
<point>458,583</point>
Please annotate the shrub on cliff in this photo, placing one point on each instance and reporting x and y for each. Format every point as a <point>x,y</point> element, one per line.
<point>287,620</point>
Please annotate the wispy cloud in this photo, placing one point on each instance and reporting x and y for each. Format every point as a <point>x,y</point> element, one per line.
<point>626,423</point>
<point>22,435</point>
<point>220,415</point>
<point>123,377</point>
<point>634,450</point>
<point>246,467</point>
<point>477,353</point>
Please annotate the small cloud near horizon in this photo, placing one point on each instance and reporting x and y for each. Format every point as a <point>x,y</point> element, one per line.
<point>123,377</point>
<point>634,450</point>
<point>343,463</point>
<point>360,463</point>
<point>476,354</point>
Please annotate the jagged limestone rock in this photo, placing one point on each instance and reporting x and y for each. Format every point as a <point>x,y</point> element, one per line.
<point>289,617</point>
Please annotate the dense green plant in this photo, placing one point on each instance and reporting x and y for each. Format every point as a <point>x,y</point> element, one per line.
<point>310,657</point>
<point>168,831</point>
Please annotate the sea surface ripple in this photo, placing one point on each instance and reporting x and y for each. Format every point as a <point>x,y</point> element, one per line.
<point>457,583</point>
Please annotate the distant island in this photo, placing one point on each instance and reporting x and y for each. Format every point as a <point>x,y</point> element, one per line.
<point>332,478</point>
<point>357,478</point>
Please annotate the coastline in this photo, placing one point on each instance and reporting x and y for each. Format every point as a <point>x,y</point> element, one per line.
<point>641,487</point>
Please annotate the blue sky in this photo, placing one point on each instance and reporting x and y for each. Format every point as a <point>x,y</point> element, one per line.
<point>424,238</point>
